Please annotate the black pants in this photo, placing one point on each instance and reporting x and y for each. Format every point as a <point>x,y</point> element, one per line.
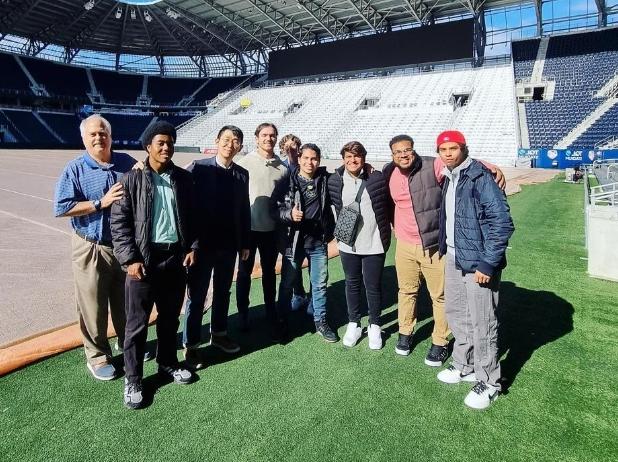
<point>219,263</point>
<point>164,285</point>
<point>365,269</point>
<point>266,243</point>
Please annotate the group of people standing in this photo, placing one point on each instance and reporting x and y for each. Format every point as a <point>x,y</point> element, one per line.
<point>173,229</point>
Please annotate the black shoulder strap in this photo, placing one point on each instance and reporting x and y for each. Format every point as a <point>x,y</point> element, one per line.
<point>360,192</point>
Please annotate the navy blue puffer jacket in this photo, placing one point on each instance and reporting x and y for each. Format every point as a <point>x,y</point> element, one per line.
<point>483,223</point>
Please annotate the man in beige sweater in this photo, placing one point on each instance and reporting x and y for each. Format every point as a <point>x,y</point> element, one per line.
<point>265,171</point>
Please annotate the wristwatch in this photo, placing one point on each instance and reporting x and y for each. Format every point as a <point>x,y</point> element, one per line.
<point>97,205</point>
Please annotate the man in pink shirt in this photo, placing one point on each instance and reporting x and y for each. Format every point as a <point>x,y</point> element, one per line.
<point>415,188</point>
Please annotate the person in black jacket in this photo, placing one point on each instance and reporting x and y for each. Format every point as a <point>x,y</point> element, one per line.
<point>363,262</point>
<point>223,224</point>
<point>302,209</point>
<point>154,239</point>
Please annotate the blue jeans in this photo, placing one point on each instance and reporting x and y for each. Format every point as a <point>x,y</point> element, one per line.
<point>221,262</point>
<point>318,273</point>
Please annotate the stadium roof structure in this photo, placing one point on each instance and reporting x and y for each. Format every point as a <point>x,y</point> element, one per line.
<point>241,32</point>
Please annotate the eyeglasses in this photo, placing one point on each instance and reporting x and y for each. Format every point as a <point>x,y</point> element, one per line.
<point>403,152</point>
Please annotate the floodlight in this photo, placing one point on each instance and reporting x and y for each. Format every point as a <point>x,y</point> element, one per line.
<point>147,16</point>
<point>172,14</point>
<point>89,5</point>
<point>119,13</point>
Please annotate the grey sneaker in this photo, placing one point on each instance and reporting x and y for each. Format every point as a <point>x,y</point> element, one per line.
<point>133,394</point>
<point>224,343</point>
<point>178,374</point>
<point>104,371</point>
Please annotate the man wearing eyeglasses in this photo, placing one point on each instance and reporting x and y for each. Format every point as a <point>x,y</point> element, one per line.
<point>224,223</point>
<point>415,187</point>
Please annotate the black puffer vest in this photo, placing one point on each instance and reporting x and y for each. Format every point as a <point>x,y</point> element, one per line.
<point>426,194</point>
<point>377,189</point>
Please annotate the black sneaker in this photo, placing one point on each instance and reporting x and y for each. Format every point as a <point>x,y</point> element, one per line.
<point>436,356</point>
<point>133,394</point>
<point>403,345</point>
<point>177,373</point>
<point>323,329</point>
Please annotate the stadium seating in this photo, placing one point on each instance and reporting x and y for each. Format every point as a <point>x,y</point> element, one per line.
<point>175,120</point>
<point>29,129</point>
<point>58,79</point>
<point>215,87</point>
<point>12,77</point>
<point>331,113</point>
<point>607,125</point>
<point>66,125</point>
<point>127,128</point>
<point>580,64</point>
<point>118,88</point>
<point>524,54</point>
<point>168,91</point>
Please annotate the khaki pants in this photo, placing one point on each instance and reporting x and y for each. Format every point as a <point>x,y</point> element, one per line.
<point>412,263</point>
<point>99,284</point>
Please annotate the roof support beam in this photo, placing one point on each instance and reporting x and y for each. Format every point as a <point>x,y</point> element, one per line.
<point>368,13</point>
<point>15,15</point>
<point>33,47</point>
<point>288,26</point>
<point>121,38</point>
<point>154,42</point>
<point>602,9</point>
<point>538,9</point>
<point>69,54</point>
<point>176,37</point>
<point>204,26</point>
<point>263,36</point>
<point>333,26</point>
<point>77,40</point>
<point>480,37</point>
<point>421,11</point>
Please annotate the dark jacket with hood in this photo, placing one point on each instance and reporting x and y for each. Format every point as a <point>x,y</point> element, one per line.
<point>483,223</point>
<point>131,217</point>
<point>285,196</point>
<point>377,189</point>
<point>426,195</point>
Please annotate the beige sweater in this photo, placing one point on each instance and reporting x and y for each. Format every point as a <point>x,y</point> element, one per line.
<point>263,176</point>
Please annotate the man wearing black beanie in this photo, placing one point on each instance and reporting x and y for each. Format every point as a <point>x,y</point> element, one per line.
<point>154,240</point>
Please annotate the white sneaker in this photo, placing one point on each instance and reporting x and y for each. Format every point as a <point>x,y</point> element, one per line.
<point>352,334</point>
<point>453,375</point>
<point>375,337</point>
<point>481,396</point>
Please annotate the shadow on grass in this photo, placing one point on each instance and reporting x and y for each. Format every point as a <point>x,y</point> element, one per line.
<point>529,319</point>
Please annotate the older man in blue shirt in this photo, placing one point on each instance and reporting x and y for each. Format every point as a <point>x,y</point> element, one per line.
<point>85,191</point>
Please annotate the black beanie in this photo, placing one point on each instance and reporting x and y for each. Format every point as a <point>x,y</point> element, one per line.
<point>160,127</point>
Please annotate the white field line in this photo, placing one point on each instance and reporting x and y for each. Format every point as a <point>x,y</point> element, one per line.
<point>27,195</point>
<point>38,223</point>
<point>5,170</point>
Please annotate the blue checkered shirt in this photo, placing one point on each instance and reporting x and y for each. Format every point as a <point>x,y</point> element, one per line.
<point>83,179</point>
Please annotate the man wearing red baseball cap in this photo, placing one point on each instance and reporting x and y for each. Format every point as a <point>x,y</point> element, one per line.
<point>475,226</point>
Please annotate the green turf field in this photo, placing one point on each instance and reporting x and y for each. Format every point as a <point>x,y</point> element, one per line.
<point>309,400</point>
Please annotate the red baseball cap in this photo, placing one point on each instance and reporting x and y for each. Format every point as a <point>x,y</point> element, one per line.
<point>450,135</point>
